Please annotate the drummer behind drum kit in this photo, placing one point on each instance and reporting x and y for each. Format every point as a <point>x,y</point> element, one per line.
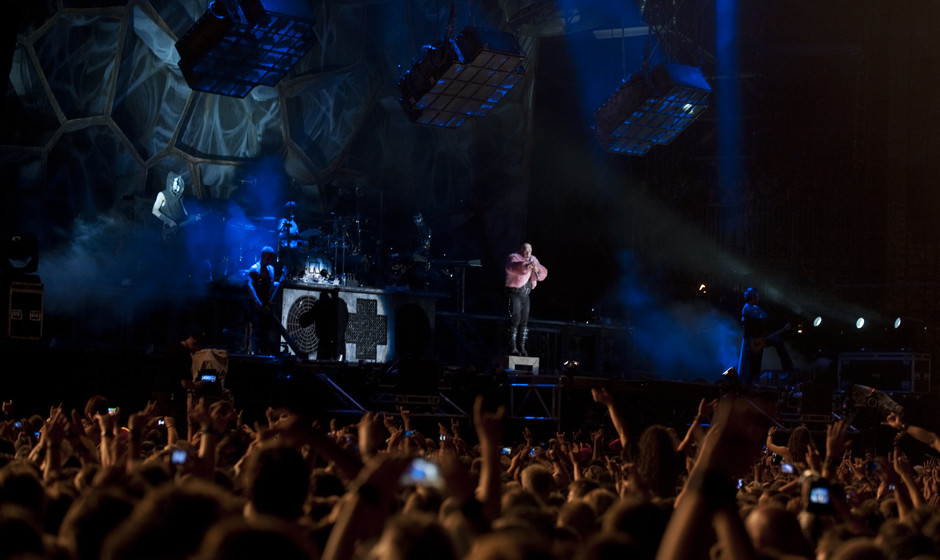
<point>331,258</point>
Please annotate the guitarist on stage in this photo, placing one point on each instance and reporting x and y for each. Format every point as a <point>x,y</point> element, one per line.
<point>168,206</point>
<point>265,338</point>
<point>756,337</point>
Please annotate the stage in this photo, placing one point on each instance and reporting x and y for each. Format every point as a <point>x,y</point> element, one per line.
<point>399,350</point>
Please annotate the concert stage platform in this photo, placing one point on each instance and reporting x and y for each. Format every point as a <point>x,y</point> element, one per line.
<point>405,353</point>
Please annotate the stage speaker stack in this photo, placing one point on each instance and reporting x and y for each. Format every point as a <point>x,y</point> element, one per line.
<point>23,291</point>
<point>24,310</point>
<point>892,372</point>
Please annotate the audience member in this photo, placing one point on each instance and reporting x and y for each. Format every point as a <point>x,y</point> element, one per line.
<point>92,484</point>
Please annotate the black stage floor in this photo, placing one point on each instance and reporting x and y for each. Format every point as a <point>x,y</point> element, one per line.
<point>116,350</point>
<point>37,375</point>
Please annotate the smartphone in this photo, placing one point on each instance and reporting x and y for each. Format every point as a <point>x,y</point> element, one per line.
<point>178,457</point>
<point>421,472</point>
<point>207,378</point>
<point>819,498</point>
<point>532,452</point>
<point>787,468</point>
<point>740,483</point>
<point>507,451</point>
<point>112,411</point>
<point>409,433</point>
<point>161,422</point>
<point>17,424</point>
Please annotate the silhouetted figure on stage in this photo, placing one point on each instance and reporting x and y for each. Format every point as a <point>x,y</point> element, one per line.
<point>331,318</point>
<point>168,391</point>
<point>288,243</point>
<point>413,264</point>
<point>264,336</point>
<point>755,321</point>
<point>523,273</point>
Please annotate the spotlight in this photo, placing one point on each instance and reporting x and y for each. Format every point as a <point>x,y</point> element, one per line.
<point>651,108</point>
<point>817,321</point>
<point>461,79</point>
<point>239,44</point>
<point>860,322</point>
<point>897,322</point>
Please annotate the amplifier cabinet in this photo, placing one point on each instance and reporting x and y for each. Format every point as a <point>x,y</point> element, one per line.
<point>24,310</point>
<point>891,372</point>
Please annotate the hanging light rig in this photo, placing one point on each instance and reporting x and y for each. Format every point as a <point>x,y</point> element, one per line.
<point>460,79</point>
<point>651,107</point>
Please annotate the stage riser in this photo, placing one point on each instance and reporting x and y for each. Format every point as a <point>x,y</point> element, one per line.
<point>380,326</point>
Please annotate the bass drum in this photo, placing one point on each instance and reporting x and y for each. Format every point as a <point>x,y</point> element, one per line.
<point>318,268</point>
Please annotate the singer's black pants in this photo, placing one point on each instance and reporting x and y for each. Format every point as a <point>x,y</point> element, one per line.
<point>518,307</point>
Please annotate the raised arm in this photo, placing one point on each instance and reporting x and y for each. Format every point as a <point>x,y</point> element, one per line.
<point>707,502</point>
<point>489,428</point>
<point>920,434</point>
<point>774,448</point>
<point>693,435</point>
<point>603,397</point>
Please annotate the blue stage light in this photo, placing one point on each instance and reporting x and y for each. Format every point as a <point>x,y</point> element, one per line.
<point>651,108</point>
<point>461,79</point>
<point>236,46</point>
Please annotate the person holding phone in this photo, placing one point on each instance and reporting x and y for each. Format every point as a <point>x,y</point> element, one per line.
<point>794,452</point>
<point>167,385</point>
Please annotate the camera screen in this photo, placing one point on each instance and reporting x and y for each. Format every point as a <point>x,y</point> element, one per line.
<point>819,495</point>
<point>208,378</point>
<point>421,473</point>
<point>178,457</point>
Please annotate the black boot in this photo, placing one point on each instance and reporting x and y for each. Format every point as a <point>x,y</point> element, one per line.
<point>513,349</point>
<point>523,336</point>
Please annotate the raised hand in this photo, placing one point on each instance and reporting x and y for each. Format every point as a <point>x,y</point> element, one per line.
<point>835,438</point>
<point>602,396</point>
<point>489,425</point>
<point>893,420</point>
<point>706,408</point>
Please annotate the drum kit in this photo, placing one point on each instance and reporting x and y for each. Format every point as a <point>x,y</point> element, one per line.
<point>337,250</point>
<point>332,254</point>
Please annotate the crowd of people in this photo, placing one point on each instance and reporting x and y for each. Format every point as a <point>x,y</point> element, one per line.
<point>100,483</point>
